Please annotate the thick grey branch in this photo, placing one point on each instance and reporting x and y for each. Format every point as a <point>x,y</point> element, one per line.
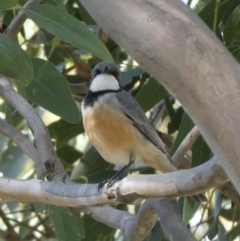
<point>172,223</point>
<point>17,23</point>
<point>131,189</point>
<point>192,181</point>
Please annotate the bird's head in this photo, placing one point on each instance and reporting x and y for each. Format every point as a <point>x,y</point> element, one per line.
<point>105,76</point>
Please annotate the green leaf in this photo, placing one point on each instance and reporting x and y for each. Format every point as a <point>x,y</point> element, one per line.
<point>189,209</point>
<point>150,94</point>
<point>175,116</point>
<point>200,152</point>
<point>13,162</point>
<point>68,225</point>
<point>68,154</point>
<point>25,229</point>
<point>63,131</point>
<point>92,165</point>
<point>14,62</point>
<point>234,232</point>
<point>218,203</point>
<point>222,233</point>
<point>59,23</point>
<point>96,231</point>
<point>127,76</point>
<point>232,27</point>
<point>230,214</point>
<point>55,42</point>
<point>6,4</point>
<point>57,3</point>
<point>185,127</point>
<point>213,230</point>
<point>208,11</point>
<point>50,90</point>
<point>39,207</point>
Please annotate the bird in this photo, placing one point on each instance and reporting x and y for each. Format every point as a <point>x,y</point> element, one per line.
<point>118,127</point>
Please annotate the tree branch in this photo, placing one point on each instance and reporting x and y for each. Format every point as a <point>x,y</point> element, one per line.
<point>131,189</point>
<point>173,38</point>
<point>185,146</point>
<point>172,224</point>
<point>17,23</point>
<point>41,135</point>
<point>135,227</point>
<point>24,143</point>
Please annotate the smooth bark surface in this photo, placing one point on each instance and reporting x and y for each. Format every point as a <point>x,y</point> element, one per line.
<point>132,189</point>
<point>177,48</point>
<point>172,223</point>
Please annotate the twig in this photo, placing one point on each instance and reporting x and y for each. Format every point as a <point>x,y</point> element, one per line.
<point>80,88</point>
<point>17,23</point>
<point>203,212</point>
<point>185,146</point>
<point>82,68</point>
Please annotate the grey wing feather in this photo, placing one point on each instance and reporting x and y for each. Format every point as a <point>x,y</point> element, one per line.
<point>130,107</point>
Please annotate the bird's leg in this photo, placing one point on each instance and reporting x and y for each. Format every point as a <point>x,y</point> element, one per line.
<point>119,175</point>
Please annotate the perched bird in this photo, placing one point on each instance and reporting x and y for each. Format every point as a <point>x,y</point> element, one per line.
<point>118,127</point>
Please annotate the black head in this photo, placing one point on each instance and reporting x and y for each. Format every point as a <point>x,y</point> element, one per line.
<point>106,68</point>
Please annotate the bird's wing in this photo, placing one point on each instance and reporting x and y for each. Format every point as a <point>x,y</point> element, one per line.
<point>130,107</point>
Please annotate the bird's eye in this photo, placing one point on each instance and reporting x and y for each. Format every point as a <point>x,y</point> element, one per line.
<point>115,74</point>
<point>96,72</point>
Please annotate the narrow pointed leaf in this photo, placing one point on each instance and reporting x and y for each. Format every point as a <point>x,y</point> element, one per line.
<point>68,225</point>
<point>63,131</point>
<point>150,94</point>
<point>50,90</point>
<point>59,23</point>
<point>232,28</point>
<point>14,62</point>
<point>6,4</point>
<point>200,152</point>
<point>185,127</point>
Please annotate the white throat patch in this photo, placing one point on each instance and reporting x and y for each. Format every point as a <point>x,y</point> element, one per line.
<point>104,82</point>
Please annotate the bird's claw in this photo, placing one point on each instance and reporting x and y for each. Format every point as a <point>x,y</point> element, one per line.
<point>110,182</point>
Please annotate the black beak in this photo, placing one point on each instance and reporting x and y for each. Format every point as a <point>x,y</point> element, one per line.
<point>106,69</point>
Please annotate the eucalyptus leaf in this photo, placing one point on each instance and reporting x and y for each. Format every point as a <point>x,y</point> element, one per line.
<point>50,90</point>
<point>189,209</point>
<point>59,23</point>
<point>13,162</point>
<point>63,131</point>
<point>200,152</point>
<point>14,62</point>
<point>232,27</point>
<point>150,94</point>
<point>6,4</point>
<point>185,126</point>
<point>68,225</point>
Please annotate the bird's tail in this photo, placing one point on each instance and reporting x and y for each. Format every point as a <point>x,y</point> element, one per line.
<point>166,165</point>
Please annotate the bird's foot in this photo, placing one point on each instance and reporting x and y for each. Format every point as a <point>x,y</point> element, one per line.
<point>117,177</point>
<point>110,182</point>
